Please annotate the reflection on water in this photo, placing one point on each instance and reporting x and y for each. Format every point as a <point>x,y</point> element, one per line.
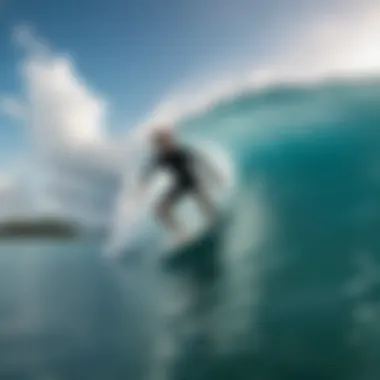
<point>65,314</point>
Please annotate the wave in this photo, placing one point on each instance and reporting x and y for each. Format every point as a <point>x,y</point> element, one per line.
<point>261,122</point>
<point>197,99</point>
<point>305,210</point>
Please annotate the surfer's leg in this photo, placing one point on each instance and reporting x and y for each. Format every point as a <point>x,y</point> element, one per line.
<point>165,214</point>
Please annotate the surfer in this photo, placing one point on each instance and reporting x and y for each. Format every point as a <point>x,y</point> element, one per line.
<point>183,163</point>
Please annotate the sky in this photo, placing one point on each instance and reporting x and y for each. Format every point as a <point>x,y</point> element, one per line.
<point>76,75</point>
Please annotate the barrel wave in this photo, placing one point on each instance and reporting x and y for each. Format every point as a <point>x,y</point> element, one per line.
<point>292,291</point>
<point>286,286</point>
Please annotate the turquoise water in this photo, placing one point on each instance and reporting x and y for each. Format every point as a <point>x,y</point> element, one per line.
<point>288,288</point>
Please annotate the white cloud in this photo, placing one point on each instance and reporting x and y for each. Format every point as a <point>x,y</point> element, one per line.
<point>340,41</point>
<point>66,121</point>
<point>63,111</point>
<point>24,36</point>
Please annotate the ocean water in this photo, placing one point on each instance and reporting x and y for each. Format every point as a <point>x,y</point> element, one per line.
<point>287,287</point>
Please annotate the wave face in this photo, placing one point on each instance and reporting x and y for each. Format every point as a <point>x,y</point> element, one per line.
<point>298,293</point>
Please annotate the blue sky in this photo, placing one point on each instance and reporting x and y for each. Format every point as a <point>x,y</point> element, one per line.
<point>133,51</point>
<point>132,54</point>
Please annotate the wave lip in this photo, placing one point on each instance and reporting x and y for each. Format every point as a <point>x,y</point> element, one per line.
<point>195,100</point>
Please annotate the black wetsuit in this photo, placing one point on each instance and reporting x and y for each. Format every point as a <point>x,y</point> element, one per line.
<point>180,162</point>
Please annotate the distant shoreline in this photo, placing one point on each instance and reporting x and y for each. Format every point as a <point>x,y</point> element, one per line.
<point>46,228</point>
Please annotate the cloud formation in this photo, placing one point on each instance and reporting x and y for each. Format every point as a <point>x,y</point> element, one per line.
<point>66,122</point>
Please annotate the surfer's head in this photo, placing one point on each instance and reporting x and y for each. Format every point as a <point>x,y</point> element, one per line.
<point>163,137</point>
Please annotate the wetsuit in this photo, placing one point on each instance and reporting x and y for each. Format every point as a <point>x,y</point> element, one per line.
<point>180,162</point>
